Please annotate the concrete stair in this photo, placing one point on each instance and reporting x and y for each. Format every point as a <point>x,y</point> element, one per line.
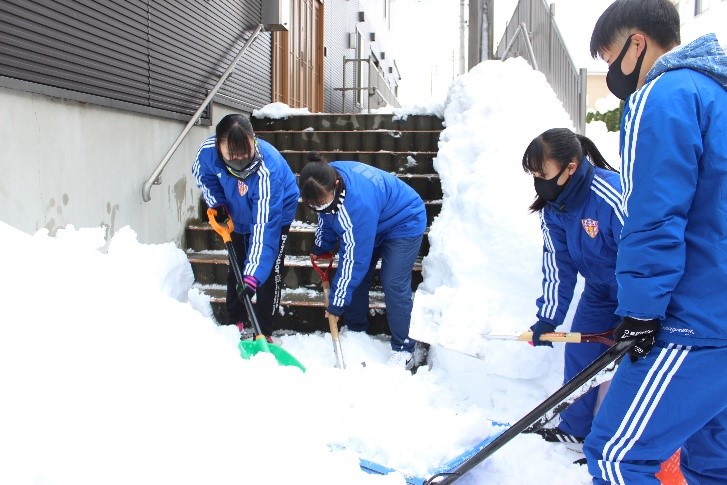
<point>406,148</point>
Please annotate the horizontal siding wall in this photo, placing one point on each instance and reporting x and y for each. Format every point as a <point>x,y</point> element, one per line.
<point>79,46</point>
<point>154,54</point>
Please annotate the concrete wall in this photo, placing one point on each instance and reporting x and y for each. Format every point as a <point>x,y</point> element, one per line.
<point>596,89</point>
<point>711,19</point>
<point>66,162</point>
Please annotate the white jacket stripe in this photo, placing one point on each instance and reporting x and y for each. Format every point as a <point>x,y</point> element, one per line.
<point>631,130</point>
<point>319,232</point>
<point>346,268</point>
<point>609,195</point>
<point>208,197</point>
<point>257,238</point>
<point>550,272</point>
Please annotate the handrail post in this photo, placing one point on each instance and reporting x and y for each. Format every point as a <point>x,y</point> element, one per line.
<point>146,189</point>
<point>510,43</point>
<point>369,95</point>
<point>583,100</point>
<point>529,45</point>
<point>343,92</point>
<point>522,29</point>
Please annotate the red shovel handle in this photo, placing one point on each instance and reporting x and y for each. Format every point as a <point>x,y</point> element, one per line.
<point>322,273</point>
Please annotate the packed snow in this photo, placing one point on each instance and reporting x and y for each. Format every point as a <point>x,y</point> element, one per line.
<point>114,371</point>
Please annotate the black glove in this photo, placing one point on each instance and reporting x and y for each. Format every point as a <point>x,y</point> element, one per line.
<point>643,331</point>
<point>539,329</point>
<point>222,215</point>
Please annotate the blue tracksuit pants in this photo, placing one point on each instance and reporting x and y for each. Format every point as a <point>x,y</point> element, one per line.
<point>675,397</point>
<point>595,314</point>
<point>397,260</point>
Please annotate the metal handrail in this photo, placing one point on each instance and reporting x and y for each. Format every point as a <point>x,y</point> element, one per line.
<point>146,190</point>
<point>373,90</point>
<point>343,90</point>
<point>545,43</point>
<point>521,29</point>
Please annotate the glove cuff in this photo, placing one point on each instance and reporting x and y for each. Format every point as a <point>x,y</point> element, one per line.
<point>546,326</point>
<point>250,281</point>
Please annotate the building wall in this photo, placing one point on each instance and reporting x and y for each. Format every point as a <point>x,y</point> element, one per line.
<point>68,162</point>
<point>596,89</point>
<point>341,20</point>
<point>74,157</point>
<point>711,16</point>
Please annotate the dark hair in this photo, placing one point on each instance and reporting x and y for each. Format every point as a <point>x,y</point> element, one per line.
<point>562,146</point>
<point>317,179</point>
<point>236,130</point>
<point>659,19</point>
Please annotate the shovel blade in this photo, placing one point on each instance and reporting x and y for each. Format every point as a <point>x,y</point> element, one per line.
<point>248,348</point>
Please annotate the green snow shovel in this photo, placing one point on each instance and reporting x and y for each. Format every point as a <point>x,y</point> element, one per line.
<point>248,348</point>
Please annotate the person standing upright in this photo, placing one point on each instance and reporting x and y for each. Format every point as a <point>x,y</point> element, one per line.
<point>671,267</point>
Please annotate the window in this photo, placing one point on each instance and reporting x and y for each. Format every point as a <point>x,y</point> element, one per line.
<point>698,7</point>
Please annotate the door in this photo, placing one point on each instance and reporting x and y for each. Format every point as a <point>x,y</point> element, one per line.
<point>298,57</point>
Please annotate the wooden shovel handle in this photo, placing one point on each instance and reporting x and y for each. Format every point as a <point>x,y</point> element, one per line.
<point>572,337</point>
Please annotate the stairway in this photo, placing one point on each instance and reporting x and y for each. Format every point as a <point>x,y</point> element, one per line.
<point>404,147</point>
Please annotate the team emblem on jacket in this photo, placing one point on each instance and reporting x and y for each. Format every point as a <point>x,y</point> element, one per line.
<point>242,188</point>
<point>590,226</point>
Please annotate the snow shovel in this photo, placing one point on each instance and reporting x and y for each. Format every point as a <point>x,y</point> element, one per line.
<point>571,337</point>
<point>613,354</point>
<point>332,320</point>
<point>248,348</point>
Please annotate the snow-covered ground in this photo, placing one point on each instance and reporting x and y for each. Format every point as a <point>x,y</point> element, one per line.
<point>112,370</point>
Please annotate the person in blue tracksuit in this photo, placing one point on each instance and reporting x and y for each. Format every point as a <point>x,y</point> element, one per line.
<point>248,180</point>
<point>579,200</point>
<point>671,267</point>
<point>371,215</point>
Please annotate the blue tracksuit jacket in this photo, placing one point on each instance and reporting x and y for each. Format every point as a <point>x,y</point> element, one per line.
<point>581,230</point>
<point>377,206</point>
<point>672,265</point>
<point>672,261</point>
<point>259,206</point>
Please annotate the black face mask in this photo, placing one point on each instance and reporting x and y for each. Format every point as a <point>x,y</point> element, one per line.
<point>242,169</point>
<point>620,84</point>
<point>548,189</point>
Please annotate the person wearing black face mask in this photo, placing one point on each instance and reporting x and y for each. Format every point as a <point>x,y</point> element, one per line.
<point>578,198</point>
<point>620,84</point>
<point>671,267</point>
<point>370,215</point>
<point>249,180</point>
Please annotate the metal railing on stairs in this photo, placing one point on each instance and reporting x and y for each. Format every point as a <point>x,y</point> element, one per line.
<point>152,180</point>
<point>377,84</point>
<point>547,53</point>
